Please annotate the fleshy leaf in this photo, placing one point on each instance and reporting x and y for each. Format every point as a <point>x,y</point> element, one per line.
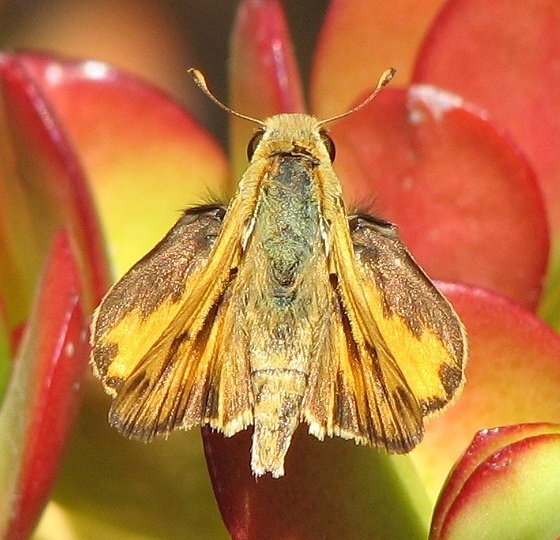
<point>513,376</point>
<point>264,79</point>
<point>503,56</point>
<point>110,484</point>
<point>146,157</point>
<point>359,40</point>
<point>508,69</point>
<point>521,462</point>
<point>43,189</point>
<point>42,396</point>
<point>464,199</point>
<point>331,489</point>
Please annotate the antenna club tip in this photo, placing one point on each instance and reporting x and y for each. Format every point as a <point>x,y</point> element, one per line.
<point>386,76</point>
<point>198,77</point>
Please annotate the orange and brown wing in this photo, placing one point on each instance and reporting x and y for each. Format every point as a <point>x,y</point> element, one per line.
<point>421,329</point>
<point>157,335</point>
<point>396,351</point>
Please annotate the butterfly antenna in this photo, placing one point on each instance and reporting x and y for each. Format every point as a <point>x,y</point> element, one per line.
<point>385,78</point>
<point>200,81</point>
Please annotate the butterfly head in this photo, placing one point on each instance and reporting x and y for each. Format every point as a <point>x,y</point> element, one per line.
<point>291,134</point>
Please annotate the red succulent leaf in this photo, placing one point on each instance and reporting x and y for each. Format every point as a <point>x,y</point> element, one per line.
<point>146,157</point>
<point>264,79</point>
<point>503,56</point>
<point>330,488</point>
<point>43,189</point>
<point>484,445</point>
<point>513,376</point>
<point>141,149</point>
<point>44,192</point>
<point>42,397</point>
<point>359,40</point>
<point>521,462</point>
<point>510,69</point>
<point>464,199</point>
<point>265,76</point>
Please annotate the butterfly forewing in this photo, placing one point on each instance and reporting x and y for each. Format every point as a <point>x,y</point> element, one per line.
<point>149,348</point>
<point>420,327</point>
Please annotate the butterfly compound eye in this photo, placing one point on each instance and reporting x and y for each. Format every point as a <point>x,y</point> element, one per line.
<point>329,145</point>
<point>253,143</point>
